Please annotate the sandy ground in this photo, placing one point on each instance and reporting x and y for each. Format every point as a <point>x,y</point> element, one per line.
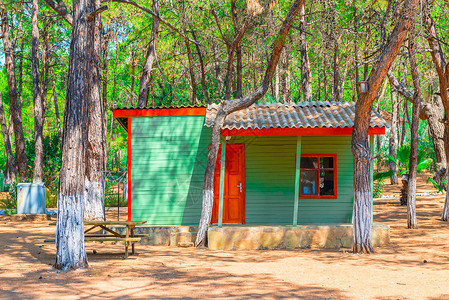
<point>415,266</point>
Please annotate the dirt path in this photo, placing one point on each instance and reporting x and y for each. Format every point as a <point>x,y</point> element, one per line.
<point>414,267</point>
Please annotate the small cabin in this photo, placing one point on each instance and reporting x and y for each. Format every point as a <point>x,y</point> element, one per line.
<point>283,164</point>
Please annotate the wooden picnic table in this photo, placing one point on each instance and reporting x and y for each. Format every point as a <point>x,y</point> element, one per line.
<point>111,235</point>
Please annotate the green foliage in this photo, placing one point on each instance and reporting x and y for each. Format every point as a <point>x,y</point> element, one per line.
<point>436,185</point>
<point>52,164</point>
<point>402,162</point>
<point>10,201</point>
<point>378,188</point>
<point>113,195</point>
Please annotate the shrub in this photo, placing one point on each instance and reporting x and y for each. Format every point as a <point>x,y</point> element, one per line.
<point>10,201</point>
<point>378,188</point>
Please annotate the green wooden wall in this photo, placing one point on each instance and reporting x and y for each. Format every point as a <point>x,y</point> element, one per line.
<point>330,210</point>
<point>168,164</point>
<point>270,179</point>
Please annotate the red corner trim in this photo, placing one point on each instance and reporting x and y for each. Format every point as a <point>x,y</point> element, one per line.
<point>129,169</point>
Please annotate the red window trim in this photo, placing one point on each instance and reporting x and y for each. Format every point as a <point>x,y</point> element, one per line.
<point>335,177</point>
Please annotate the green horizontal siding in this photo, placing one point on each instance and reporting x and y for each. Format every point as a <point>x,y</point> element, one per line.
<point>168,163</point>
<point>337,210</point>
<point>270,178</point>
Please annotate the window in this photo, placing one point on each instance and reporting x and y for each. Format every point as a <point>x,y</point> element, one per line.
<point>318,176</point>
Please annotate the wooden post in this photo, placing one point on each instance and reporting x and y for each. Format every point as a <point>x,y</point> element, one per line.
<point>222,180</point>
<point>129,169</point>
<point>371,141</point>
<point>298,163</point>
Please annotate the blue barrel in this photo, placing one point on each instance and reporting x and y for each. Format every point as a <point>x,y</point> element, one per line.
<point>31,198</point>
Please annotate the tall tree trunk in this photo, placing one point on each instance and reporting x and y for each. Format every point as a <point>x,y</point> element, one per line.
<point>105,68</point>
<point>392,139</point>
<point>104,89</point>
<point>378,143</point>
<point>326,93</point>
<point>276,83</point>
<point>336,60</point>
<point>113,100</point>
<point>254,69</point>
<point>20,88</point>
<point>411,195</point>
<point>306,87</point>
<point>238,53</point>
<point>11,162</point>
<point>132,63</point>
<point>203,72</point>
<point>239,72</point>
<point>70,251</point>
<point>228,107</point>
<point>355,95</point>
<point>336,66</point>
<point>436,132</point>
<point>319,88</point>
<point>149,60</point>
<point>152,90</point>
<point>353,88</point>
<point>191,72</point>
<point>232,46</point>
<point>360,144</point>
<point>37,97</point>
<point>286,75</point>
<point>433,113</point>
<point>22,164</point>
<point>442,69</point>
<point>96,135</point>
<point>55,100</point>
<point>343,78</point>
<point>404,120</point>
<point>218,73</point>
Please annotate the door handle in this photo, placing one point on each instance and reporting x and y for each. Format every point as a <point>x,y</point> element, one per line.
<point>240,186</point>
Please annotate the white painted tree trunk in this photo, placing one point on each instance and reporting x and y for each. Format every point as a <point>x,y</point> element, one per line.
<point>94,200</point>
<point>206,216</point>
<point>445,216</point>
<point>70,251</point>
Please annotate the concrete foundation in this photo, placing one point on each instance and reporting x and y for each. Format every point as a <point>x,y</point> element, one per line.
<point>330,236</point>
<point>241,237</point>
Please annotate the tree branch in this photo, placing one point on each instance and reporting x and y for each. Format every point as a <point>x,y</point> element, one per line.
<point>400,87</point>
<point>137,5</point>
<point>425,109</point>
<point>61,9</point>
<point>228,42</point>
<point>91,16</point>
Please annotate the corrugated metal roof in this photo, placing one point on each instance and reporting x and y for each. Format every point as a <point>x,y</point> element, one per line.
<point>159,107</point>
<point>294,115</point>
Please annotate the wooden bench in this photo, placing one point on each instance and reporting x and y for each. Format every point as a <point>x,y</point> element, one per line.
<point>104,239</point>
<point>113,236</point>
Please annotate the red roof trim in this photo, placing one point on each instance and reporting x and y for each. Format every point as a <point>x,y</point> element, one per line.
<point>159,112</point>
<point>297,131</point>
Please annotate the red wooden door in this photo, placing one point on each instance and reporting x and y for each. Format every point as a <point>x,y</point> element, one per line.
<point>234,185</point>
